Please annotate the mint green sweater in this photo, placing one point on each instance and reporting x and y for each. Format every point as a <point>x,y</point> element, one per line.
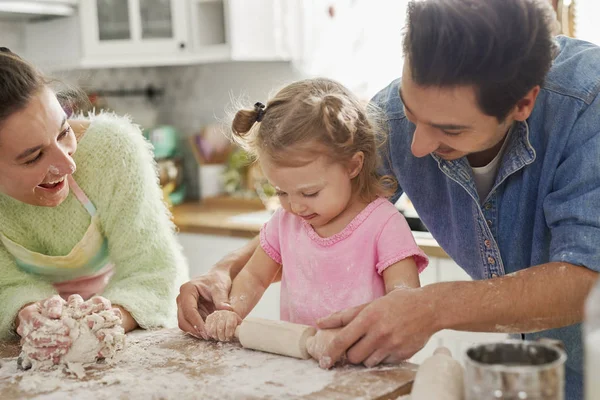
<point>115,168</point>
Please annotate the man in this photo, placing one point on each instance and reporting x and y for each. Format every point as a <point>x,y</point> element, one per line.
<point>495,137</point>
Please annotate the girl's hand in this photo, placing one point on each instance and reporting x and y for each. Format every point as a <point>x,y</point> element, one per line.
<point>220,325</point>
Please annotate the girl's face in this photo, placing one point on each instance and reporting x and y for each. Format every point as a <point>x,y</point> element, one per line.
<point>318,191</point>
<point>36,148</point>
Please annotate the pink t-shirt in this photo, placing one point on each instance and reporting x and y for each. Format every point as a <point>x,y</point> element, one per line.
<point>325,275</point>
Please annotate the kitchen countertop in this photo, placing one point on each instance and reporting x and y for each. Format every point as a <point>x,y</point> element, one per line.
<point>168,364</point>
<point>218,216</point>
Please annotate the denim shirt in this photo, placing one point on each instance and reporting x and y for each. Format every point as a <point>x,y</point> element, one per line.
<point>545,203</point>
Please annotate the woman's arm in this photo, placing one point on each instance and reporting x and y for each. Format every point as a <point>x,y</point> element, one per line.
<point>149,264</point>
<point>17,290</point>
<point>129,323</point>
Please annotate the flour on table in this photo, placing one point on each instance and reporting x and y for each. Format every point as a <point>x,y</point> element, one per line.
<point>168,364</point>
<point>94,335</point>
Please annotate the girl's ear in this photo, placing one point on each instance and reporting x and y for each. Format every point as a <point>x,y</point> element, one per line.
<point>356,163</point>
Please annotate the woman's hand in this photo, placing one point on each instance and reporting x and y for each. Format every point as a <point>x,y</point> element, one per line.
<point>45,326</point>
<point>40,326</point>
<point>220,325</point>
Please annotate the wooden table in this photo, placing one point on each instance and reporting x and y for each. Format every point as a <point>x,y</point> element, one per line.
<point>167,364</point>
<point>212,216</point>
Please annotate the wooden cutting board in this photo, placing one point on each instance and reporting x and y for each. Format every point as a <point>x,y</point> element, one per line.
<point>167,364</point>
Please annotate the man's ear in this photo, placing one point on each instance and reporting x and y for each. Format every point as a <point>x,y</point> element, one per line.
<point>524,107</point>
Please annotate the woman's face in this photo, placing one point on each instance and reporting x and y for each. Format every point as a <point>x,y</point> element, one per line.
<point>36,148</point>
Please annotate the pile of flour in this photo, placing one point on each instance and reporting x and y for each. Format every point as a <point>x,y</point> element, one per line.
<point>94,335</point>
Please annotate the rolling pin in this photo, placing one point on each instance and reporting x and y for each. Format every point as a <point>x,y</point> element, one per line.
<point>278,337</point>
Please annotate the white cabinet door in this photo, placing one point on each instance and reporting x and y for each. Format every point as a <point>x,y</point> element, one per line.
<point>132,28</point>
<point>283,29</point>
<point>260,29</point>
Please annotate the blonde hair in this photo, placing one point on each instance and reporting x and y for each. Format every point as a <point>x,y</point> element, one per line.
<point>317,111</point>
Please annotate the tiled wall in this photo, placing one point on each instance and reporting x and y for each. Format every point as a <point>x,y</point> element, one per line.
<point>199,95</point>
<point>194,95</point>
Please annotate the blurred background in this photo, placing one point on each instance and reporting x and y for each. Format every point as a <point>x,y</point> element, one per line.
<point>177,66</point>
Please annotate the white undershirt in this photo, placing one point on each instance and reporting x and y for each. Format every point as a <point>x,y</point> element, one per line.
<point>485,176</point>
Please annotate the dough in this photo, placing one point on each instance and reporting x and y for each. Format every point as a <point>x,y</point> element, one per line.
<point>96,334</point>
<point>439,377</point>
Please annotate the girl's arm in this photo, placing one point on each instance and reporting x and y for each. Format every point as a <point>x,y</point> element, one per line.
<point>250,284</point>
<point>403,274</point>
<point>399,258</point>
<point>246,290</point>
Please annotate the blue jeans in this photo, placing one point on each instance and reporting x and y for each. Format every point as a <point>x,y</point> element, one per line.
<point>573,385</point>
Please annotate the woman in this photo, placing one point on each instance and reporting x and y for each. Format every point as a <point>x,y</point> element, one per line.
<point>81,211</point>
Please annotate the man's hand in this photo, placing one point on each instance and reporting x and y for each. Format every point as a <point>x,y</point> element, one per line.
<point>318,344</point>
<point>389,329</point>
<point>199,298</point>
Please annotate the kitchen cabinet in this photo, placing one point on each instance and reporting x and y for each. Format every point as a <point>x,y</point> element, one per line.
<point>262,29</point>
<point>132,28</point>
<point>121,33</point>
<point>111,33</point>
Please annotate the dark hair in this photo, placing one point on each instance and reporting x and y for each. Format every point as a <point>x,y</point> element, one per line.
<point>318,111</point>
<point>20,81</point>
<point>502,47</point>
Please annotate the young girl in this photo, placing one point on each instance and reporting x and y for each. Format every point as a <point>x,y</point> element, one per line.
<point>340,242</point>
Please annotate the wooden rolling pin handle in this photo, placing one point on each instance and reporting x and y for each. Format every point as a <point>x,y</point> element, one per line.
<point>278,337</point>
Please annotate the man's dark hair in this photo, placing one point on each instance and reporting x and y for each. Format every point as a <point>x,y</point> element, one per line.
<point>503,48</point>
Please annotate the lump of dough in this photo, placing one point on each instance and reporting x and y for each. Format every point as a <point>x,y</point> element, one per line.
<point>94,336</point>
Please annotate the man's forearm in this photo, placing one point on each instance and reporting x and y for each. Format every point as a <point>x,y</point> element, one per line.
<point>235,261</point>
<point>538,298</point>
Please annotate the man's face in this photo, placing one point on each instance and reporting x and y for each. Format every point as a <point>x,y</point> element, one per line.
<point>449,122</point>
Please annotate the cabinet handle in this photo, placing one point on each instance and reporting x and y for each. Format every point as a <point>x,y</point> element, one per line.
<point>182,45</point>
